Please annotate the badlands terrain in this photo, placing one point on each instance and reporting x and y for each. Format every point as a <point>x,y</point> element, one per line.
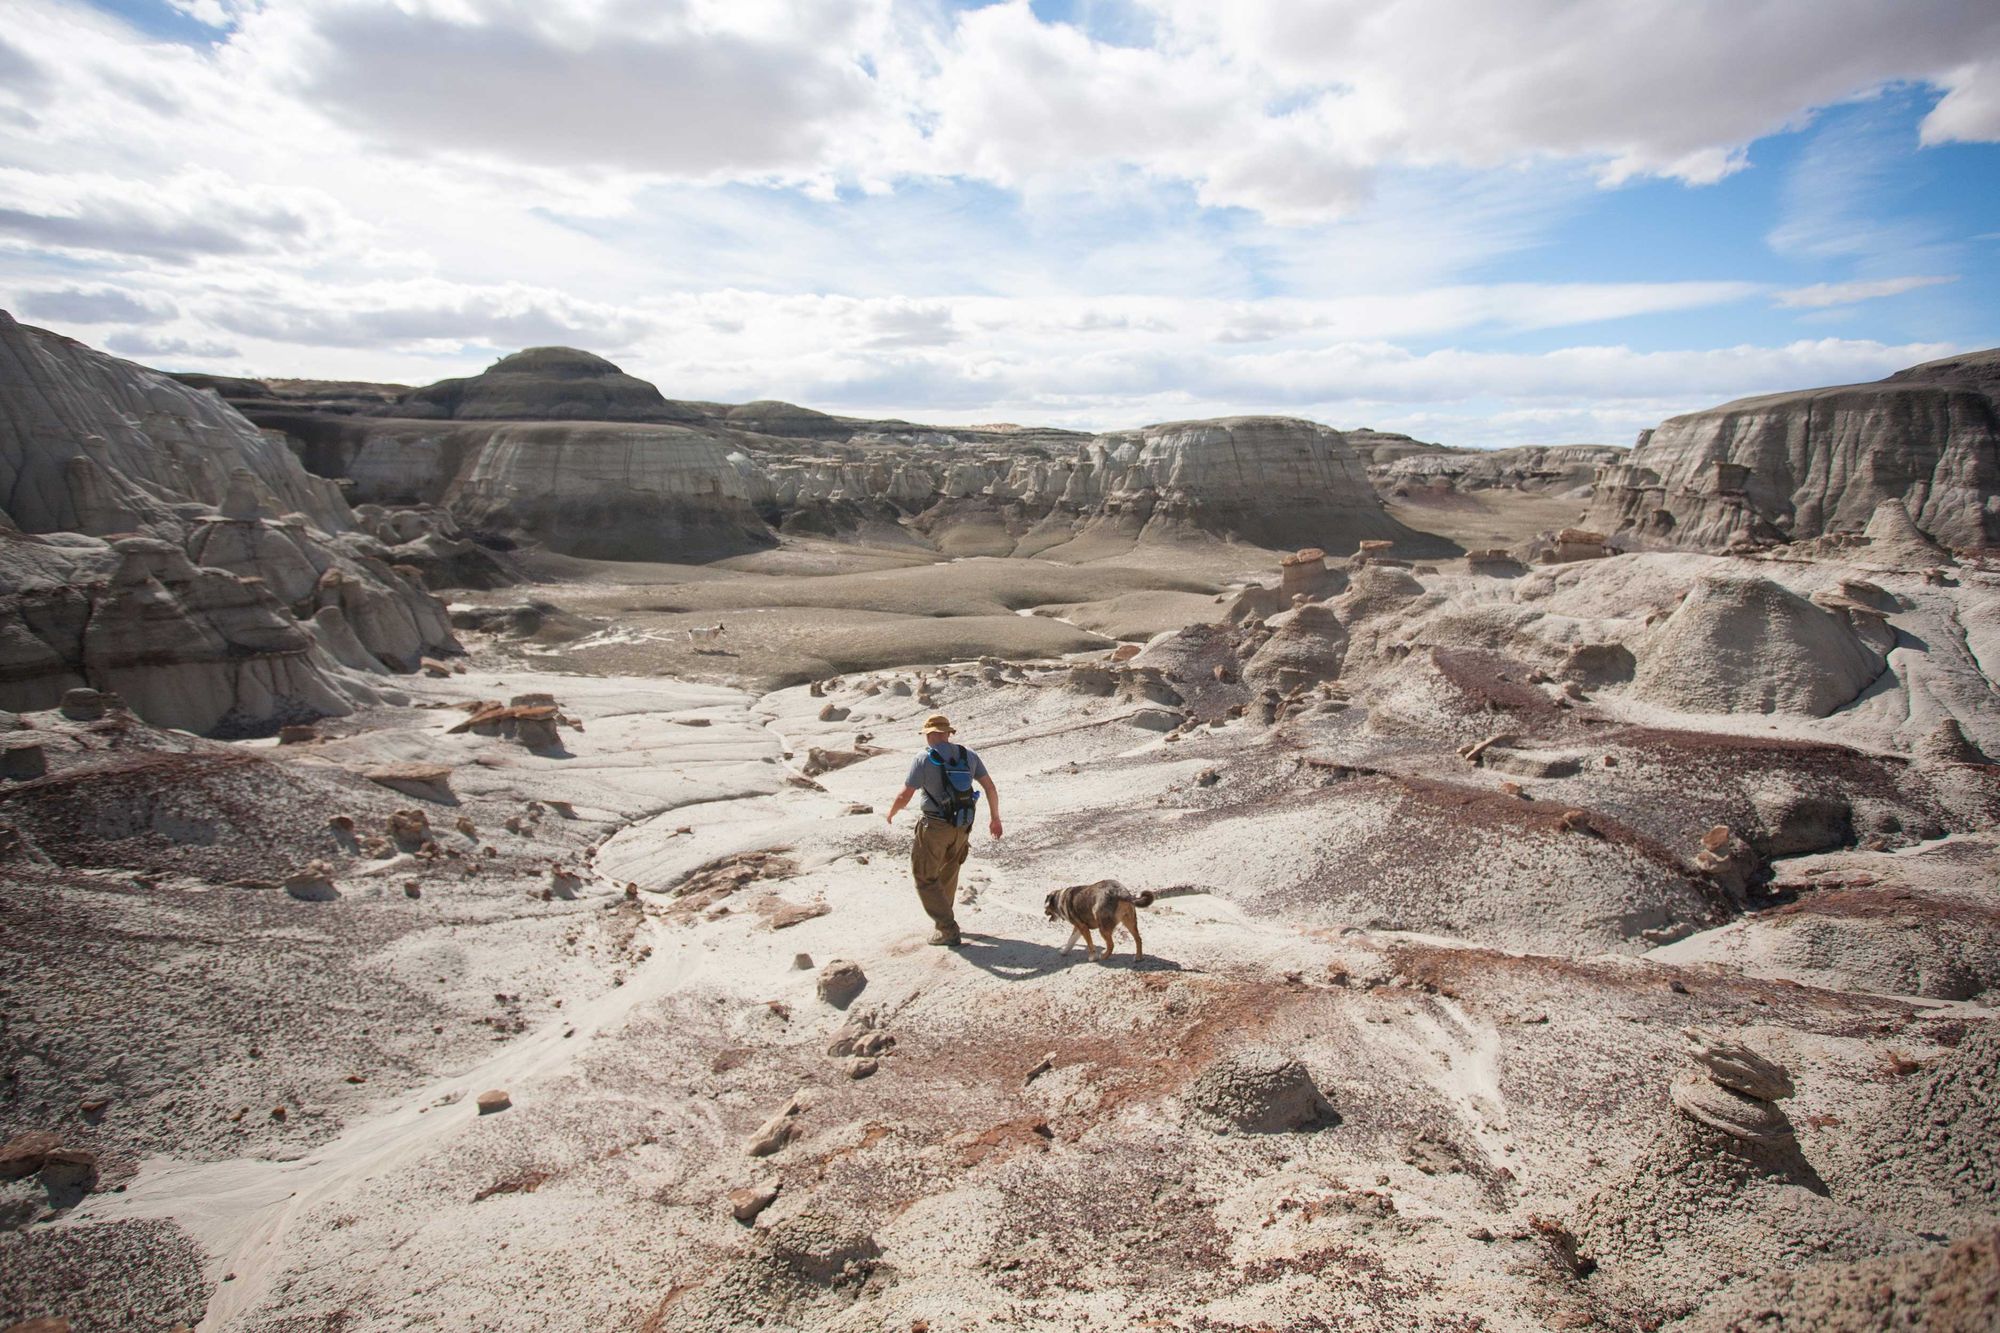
<point>1576,886</point>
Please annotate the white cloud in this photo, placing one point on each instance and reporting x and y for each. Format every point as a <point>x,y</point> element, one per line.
<point>1675,88</point>
<point>96,303</point>
<point>1969,112</point>
<point>1823,294</point>
<point>687,89</point>
<point>185,217</point>
<point>172,353</point>
<point>387,317</point>
<point>1291,110</point>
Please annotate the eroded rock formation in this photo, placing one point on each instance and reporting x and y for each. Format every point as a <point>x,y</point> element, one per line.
<point>159,545</point>
<point>92,444</point>
<point>1788,466</point>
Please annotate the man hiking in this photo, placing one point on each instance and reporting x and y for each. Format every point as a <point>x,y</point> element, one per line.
<point>945,774</point>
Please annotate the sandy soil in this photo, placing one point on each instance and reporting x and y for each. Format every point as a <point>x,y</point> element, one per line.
<point>1474,973</point>
<point>815,618</point>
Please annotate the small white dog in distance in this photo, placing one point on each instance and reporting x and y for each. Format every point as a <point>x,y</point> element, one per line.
<point>706,634</point>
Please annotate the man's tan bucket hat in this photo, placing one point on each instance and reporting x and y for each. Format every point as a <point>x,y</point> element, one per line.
<point>937,722</point>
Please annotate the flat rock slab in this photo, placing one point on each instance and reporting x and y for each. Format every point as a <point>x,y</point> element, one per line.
<point>423,781</point>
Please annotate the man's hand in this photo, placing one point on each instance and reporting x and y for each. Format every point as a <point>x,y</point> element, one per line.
<point>993,826</point>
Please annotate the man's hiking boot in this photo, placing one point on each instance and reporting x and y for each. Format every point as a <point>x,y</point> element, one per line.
<point>948,938</point>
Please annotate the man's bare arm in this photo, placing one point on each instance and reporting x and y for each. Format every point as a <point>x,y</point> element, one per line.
<point>992,805</point>
<point>902,799</point>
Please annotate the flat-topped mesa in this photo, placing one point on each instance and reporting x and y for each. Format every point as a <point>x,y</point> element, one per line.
<point>1789,466</point>
<point>543,384</point>
<point>93,444</point>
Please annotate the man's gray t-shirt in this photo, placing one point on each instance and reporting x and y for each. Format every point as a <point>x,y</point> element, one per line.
<point>928,776</point>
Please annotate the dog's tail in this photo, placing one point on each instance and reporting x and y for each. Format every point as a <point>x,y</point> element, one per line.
<point>1143,898</point>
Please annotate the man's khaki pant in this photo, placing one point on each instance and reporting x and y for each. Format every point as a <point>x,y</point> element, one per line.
<point>935,857</point>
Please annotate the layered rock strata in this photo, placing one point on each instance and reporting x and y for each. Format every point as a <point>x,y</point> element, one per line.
<point>92,444</point>
<point>185,646</point>
<point>563,448</point>
<point>612,492</point>
<point>1788,466</point>
<point>163,547</point>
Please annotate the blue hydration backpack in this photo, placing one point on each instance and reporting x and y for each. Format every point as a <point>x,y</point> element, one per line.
<point>961,797</point>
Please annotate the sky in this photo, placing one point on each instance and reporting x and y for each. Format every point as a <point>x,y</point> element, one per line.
<point>1548,221</point>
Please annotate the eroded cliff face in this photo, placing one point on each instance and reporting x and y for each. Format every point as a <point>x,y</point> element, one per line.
<point>181,644</point>
<point>565,449</point>
<point>611,491</point>
<point>93,444</point>
<point>1555,469</point>
<point>162,547</point>
<point>1800,465</point>
<point>1270,481</point>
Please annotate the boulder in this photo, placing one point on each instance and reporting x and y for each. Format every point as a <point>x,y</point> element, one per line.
<point>426,782</point>
<point>87,705</point>
<point>776,1132</point>
<point>841,982</point>
<point>1259,1090</point>
<point>409,829</point>
<point>747,1201</point>
<point>24,1154</point>
<point>493,1101</point>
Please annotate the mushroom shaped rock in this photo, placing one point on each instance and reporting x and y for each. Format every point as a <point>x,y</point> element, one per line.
<point>1700,1098</point>
<point>1735,1066</point>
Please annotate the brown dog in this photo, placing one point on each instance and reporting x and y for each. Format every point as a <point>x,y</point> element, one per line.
<point>1101,907</point>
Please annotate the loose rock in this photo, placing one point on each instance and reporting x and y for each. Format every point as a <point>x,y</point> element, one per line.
<point>312,883</point>
<point>840,982</point>
<point>776,1132</point>
<point>746,1201</point>
<point>1735,1066</point>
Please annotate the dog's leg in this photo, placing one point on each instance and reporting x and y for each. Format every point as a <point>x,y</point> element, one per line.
<point>1132,925</point>
<point>1073,933</point>
<point>1106,932</point>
